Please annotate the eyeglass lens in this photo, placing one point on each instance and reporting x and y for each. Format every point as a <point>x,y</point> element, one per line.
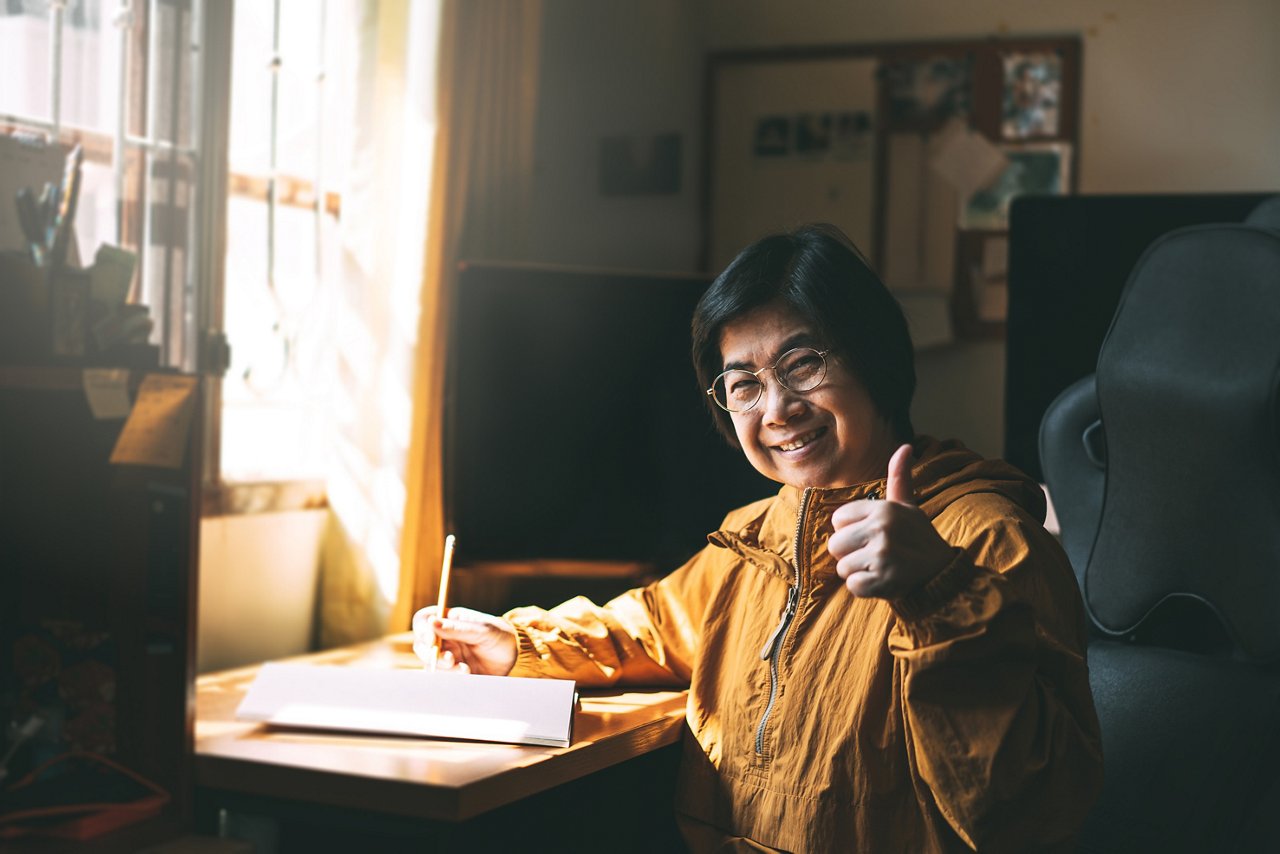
<point>799,370</point>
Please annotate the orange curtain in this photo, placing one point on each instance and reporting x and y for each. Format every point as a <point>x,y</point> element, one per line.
<point>487,83</point>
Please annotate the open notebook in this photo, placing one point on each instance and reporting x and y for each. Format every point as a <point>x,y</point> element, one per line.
<point>413,702</point>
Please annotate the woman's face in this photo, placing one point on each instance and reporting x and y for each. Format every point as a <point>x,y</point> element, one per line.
<point>829,437</point>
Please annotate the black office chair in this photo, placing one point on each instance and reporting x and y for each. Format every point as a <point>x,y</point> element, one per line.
<point>1164,470</point>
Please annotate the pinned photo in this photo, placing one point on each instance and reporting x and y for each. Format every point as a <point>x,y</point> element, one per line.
<point>928,90</point>
<point>851,137</point>
<point>1032,91</point>
<point>773,137</point>
<point>813,133</point>
<point>1033,170</point>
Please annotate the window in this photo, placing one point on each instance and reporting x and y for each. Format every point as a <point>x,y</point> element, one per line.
<point>289,121</point>
<point>126,80</point>
<point>218,141</point>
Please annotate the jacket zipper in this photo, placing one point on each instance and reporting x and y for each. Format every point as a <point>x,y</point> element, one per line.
<point>773,646</point>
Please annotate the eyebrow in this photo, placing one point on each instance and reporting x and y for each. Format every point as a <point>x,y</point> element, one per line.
<point>800,339</point>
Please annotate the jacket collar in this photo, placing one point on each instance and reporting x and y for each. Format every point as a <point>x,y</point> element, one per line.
<point>941,472</point>
<point>768,540</point>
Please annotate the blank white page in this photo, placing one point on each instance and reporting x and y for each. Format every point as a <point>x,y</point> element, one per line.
<point>413,702</point>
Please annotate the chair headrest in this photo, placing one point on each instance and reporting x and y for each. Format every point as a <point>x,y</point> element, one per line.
<point>1187,387</point>
<point>1266,214</point>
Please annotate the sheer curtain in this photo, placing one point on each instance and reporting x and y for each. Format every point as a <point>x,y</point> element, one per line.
<point>378,285</point>
<point>481,181</point>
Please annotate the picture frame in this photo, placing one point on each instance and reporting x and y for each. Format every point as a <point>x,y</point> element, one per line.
<point>1032,94</point>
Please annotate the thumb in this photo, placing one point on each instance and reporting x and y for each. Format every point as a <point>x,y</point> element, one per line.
<point>898,486</point>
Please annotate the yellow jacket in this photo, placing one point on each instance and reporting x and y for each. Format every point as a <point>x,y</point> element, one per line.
<point>957,717</point>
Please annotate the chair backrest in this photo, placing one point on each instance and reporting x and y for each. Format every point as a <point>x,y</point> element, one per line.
<point>1177,492</point>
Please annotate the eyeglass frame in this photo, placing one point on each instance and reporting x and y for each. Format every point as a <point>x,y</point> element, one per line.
<point>822,354</point>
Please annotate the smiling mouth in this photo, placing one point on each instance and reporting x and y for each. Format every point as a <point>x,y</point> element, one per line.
<point>802,440</point>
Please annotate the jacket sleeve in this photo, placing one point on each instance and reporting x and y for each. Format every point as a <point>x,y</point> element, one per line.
<point>649,635</point>
<point>990,665</point>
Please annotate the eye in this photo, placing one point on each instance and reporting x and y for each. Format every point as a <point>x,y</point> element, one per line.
<point>802,369</point>
<point>741,385</point>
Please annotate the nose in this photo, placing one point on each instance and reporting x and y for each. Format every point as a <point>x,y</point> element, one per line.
<point>779,404</point>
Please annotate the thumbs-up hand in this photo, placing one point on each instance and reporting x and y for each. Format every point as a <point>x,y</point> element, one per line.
<point>886,549</point>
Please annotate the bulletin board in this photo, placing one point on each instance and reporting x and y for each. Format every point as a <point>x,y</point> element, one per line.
<point>914,149</point>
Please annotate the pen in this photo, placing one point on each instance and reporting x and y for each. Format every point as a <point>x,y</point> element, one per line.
<point>32,226</point>
<point>446,566</point>
<point>65,212</point>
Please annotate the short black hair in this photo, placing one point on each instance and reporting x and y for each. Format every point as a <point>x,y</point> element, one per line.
<point>818,273</point>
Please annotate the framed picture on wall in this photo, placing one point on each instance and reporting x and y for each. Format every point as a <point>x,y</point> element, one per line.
<point>1032,94</point>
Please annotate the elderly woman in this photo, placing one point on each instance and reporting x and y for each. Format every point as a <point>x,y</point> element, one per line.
<point>886,655</point>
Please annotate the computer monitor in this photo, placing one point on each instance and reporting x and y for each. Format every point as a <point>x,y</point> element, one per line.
<point>1069,259</point>
<point>575,430</point>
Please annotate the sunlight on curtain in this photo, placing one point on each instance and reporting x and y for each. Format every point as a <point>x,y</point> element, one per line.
<point>480,194</point>
<point>377,312</point>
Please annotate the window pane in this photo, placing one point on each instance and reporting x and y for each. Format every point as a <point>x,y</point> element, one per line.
<point>90,63</point>
<point>277,394</point>
<point>299,90</point>
<point>274,395</point>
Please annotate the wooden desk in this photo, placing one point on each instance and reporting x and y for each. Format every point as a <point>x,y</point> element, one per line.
<point>411,778</point>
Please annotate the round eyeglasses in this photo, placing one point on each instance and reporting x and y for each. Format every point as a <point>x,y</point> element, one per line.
<point>799,370</point>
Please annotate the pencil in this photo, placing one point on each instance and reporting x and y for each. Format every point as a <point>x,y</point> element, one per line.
<point>446,566</point>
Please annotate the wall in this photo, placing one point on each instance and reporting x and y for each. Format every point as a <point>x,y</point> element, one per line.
<point>1178,96</point>
<point>608,69</point>
<point>258,578</point>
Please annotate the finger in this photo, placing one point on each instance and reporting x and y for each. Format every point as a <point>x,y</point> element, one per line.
<point>426,650</point>
<point>853,512</point>
<point>847,540</point>
<point>862,571</point>
<point>862,560</point>
<point>422,619</point>
<point>466,615</point>
<point>864,584</point>
<point>898,486</point>
<point>846,567</point>
<point>462,631</point>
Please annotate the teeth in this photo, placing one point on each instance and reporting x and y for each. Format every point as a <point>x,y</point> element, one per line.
<point>800,442</point>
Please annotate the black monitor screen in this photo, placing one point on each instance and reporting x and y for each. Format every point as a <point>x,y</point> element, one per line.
<point>574,425</point>
<point>1069,259</point>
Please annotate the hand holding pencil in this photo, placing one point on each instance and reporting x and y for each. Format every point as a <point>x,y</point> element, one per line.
<point>460,639</point>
